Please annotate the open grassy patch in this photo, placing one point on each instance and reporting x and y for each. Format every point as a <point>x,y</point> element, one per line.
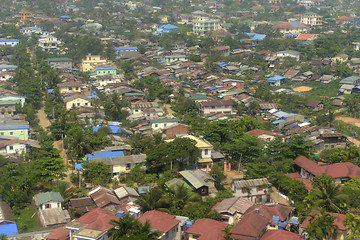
<point>26,220</point>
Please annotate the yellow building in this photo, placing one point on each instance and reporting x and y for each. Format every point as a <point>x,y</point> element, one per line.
<point>90,62</point>
<point>291,27</point>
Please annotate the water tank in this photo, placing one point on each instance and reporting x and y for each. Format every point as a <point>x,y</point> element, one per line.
<point>120,214</point>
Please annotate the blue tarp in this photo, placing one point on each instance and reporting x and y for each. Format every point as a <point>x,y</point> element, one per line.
<point>113,129</point>
<point>126,48</point>
<point>276,219</point>
<point>278,121</point>
<point>9,229</point>
<point>66,17</point>
<point>106,68</point>
<point>258,37</point>
<point>105,154</point>
<point>50,90</point>
<point>79,166</point>
<point>164,77</point>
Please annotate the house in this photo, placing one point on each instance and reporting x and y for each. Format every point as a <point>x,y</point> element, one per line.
<point>14,128</point>
<point>259,218</point>
<point>126,194</point>
<point>125,50</point>
<point>231,209</point>
<point>104,198</point>
<point>341,58</point>
<point>77,101</point>
<point>13,146</point>
<point>338,221</point>
<point>7,223</point>
<point>291,28</point>
<point>229,83</point>
<point>201,25</point>
<point>206,229</point>
<point>254,189</point>
<point>161,123</point>
<point>8,68</point>
<point>5,76</point>
<point>70,86</point>
<point>93,225</point>
<point>61,233</point>
<point>341,172</point>
<point>305,37</point>
<point>315,105</point>
<point>201,181</point>
<point>162,222</point>
<point>101,71</point>
<point>288,53</point>
<point>222,50</point>
<point>48,43</point>
<point>344,20</point>
<point>66,62</point>
<point>326,78</point>
<point>166,29</point>
<point>176,129</point>
<point>311,19</point>
<point>49,207</point>
<point>217,106</point>
<point>276,81</point>
<point>120,164</point>
<point>280,235</point>
<point>356,46</point>
<point>199,98</point>
<point>105,80</point>
<point>334,140</point>
<point>265,135</point>
<point>84,204</point>
<point>89,63</point>
<point>8,42</point>
<point>174,58</point>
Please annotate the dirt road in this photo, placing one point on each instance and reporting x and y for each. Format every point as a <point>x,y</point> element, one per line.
<point>43,120</point>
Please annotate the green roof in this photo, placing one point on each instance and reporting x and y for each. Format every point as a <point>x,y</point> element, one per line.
<point>58,60</point>
<point>177,182</point>
<point>350,80</point>
<point>48,197</point>
<point>198,97</point>
<point>164,120</point>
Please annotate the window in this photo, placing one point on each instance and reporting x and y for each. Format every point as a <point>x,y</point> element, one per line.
<point>165,125</point>
<point>47,206</point>
<point>206,151</point>
<point>2,133</point>
<point>70,88</point>
<point>244,190</point>
<point>78,104</point>
<point>128,165</point>
<point>156,125</point>
<point>11,133</point>
<point>86,104</point>
<point>11,147</point>
<point>259,188</point>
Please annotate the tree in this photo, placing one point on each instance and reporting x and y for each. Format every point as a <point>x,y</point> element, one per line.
<point>343,70</point>
<point>352,223</point>
<point>128,227</point>
<point>327,194</point>
<point>299,147</point>
<point>45,169</point>
<point>180,198</point>
<point>321,226</point>
<point>153,200</point>
<point>352,188</point>
<point>218,174</point>
<point>352,102</point>
<point>96,173</point>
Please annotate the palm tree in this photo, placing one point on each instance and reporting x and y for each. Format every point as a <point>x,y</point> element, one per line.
<point>321,226</point>
<point>181,198</point>
<point>153,200</point>
<point>130,228</point>
<point>327,193</point>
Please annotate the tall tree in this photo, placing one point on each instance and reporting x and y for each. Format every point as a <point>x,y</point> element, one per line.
<point>321,226</point>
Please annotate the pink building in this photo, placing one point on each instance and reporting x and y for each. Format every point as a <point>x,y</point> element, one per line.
<point>217,106</point>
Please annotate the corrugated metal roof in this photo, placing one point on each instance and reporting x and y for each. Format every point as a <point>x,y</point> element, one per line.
<point>251,183</point>
<point>233,205</point>
<point>105,155</point>
<point>122,192</point>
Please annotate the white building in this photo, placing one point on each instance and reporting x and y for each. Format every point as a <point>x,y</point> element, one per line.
<point>311,19</point>
<point>255,190</point>
<point>48,43</point>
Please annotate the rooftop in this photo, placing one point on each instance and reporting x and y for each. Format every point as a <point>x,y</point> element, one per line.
<point>163,222</point>
<point>208,229</point>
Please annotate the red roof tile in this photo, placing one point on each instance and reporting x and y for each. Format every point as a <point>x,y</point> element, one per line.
<point>251,225</point>
<point>258,132</point>
<point>280,235</point>
<point>7,73</point>
<point>339,221</point>
<point>208,229</point>
<point>60,233</point>
<point>305,36</point>
<point>163,222</point>
<point>221,48</point>
<point>98,219</point>
<point>344,18</point>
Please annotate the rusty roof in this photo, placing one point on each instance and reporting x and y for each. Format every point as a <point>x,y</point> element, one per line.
<point>234,205</point>
<point>251,183</point>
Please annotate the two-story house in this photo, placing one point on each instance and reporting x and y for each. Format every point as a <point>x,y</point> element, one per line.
<point>159,124</point>
<point>217,106</point>
<point>255,190</point>
<point>77,101</point>
<point>90,62</point>
<point>14,128</point>
<point>49,207</point>
<point>48,43</point>
<point>8,42</point>
<point>70,86</point>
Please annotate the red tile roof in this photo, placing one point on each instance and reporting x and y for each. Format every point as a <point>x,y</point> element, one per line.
<point>305,36</point>
<point>221,48</point>
<point>217,103</point>
<point>7,73</point>
<point>60,233</point>
<point>8,142</point>
<point>163,222</point>
<point>336,170</point>
<point>258,132</point>
<point>208,229</point>
<point>250,226</point>
<point>280,235</point>
<point>297,176</point>
<point>98,219</point>
<point>344,18</point>
<point>339,221</point>
<point>269,211</point>
<point>233,205</point>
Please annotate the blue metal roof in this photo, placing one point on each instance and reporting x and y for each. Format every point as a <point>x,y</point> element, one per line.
<point>167,77</point>
<point>9,229</point>
<point>160,49</point>
<point>14,127</point>
<point>126,48</point>
<point>106,68</point>
<point>223,64</point>
<point>79,166</point>
<point>50,90</point>
<point>278,121</point>
<point>9,40</point>
<point>105,154</point>
<point>168,27</point>
<point>291,114</point>
<point>65,17</point>
<point>232,80</point>
<point>8,66</point>
<point>113,129</point>
<point>277,78</point>
<point>258,37</point>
